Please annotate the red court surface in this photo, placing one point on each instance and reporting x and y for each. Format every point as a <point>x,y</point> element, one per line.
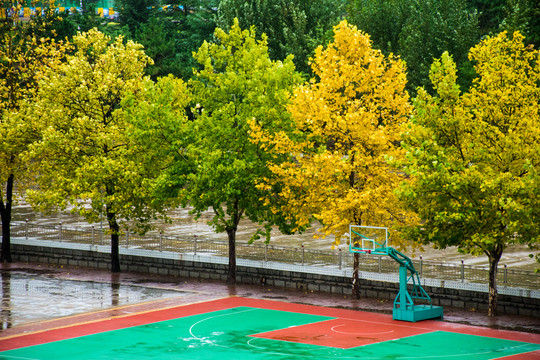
<point>277,330</point>
<point>343,333</point>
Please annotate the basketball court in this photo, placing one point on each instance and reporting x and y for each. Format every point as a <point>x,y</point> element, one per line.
<point>246,328</point>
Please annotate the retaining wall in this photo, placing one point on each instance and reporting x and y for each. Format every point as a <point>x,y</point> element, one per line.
<point>257,272</point>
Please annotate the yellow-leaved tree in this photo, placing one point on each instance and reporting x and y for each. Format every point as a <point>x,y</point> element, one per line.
<point>26,48</point>
<point>346,127</point>
<point>85,157</point>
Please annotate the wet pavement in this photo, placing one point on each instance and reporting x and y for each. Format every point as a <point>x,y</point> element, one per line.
<point>30,296</point>
<point>40,297</point>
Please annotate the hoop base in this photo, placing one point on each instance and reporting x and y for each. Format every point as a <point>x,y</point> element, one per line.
<point>417,313</point>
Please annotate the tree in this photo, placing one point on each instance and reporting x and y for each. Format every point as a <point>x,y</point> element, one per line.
<point>346,125</point>
<point>474,156</point>
<point>135,13</point>
<point>383,20</point>
<point>171,36</point>
<point>218,167</point>
<point>87,18</point>
<point>160,43</point>
<point>490,12</point>
<point>197,22</point>
<point>523,16</point>
<point>419,31</point>
<point>161,125</point>
<point>294,27</point>
<point>25,50</point>
<point>85,157</point>
<point>434,27</point>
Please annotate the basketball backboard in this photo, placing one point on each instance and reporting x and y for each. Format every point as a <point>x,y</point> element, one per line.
<point>368,239</point>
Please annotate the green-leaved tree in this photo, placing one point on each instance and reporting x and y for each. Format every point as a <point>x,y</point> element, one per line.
<point>238,84</point>
<point>213,164</point>
<point>474,157</point>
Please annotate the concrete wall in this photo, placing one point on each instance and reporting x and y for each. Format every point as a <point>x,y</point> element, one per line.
<point>517,305</point>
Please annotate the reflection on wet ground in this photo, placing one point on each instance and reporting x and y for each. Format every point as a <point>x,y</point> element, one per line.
<point>30,297</point>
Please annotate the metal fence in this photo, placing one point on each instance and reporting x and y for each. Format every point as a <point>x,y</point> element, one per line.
<point>290,255</point>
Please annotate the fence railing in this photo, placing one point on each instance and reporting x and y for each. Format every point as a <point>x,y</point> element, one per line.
<point>290,255</point>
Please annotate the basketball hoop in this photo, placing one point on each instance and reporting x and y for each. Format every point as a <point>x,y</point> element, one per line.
<point>373,240</point>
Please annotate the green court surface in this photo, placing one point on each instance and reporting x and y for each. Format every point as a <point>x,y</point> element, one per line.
<point>249,333</point>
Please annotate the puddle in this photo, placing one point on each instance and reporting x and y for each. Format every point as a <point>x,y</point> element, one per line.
<point>34,297</point>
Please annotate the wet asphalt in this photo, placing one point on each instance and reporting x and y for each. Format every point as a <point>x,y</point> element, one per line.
<point>38,297</point>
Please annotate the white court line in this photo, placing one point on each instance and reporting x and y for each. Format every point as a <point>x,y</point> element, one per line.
<point>392,325</point>
<point>469,354</point>
<point>333,328</point>
<point>316,356</point>
<point>212,317</point>
<point>341,356</point>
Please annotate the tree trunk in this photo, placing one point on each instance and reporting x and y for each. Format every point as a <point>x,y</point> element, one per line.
<point>5,214</point>
<point>115,231</point>
<point>356,276</point>
<point>494,257</point>
<point>357,218</point>
<point>231,233</point>
<point>231,275</point>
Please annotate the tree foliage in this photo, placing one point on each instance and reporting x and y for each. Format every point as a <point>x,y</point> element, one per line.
<point>491,14</point>
<point>160,124</point>
<point>171,35</point>
<point>87,18</point>
<point>26,48</point>
<point>346,125</point>
<point>474,156</point>
<point>134,13</point>
<point>85,158</point>
<point>420,31</point>
<point>523,16</point>
<point>432,28</point>
<point>197,25</point>
<point>294,27</point>
<point>160,43</point>
<point>383,20</point>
